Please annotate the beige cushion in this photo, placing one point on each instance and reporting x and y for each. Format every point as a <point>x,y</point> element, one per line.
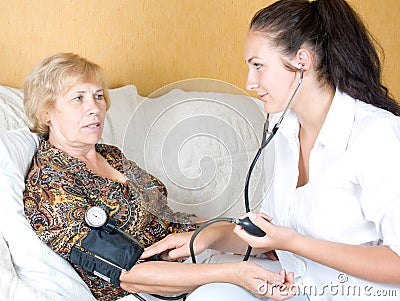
<point>200,144</point>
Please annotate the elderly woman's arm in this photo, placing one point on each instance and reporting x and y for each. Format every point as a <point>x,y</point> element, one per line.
<point>56,218</point>
<point>174,277</point>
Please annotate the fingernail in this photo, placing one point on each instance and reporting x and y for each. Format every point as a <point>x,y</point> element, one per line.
<point>279,279</point>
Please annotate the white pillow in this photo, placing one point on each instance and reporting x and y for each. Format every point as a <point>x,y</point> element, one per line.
<point>124,100</point>
<point>12,114</point>
<point>11,286</point>
<point>35,263</point>
<point>200,144</point>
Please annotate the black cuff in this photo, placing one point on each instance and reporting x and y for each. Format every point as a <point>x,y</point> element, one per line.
<point>106,254</point>
<point>96,266</point>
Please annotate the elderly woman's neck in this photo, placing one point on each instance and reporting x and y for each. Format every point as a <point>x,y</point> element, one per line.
<point>87,153</point>
<point>84,152</point>
<point>89,156</point>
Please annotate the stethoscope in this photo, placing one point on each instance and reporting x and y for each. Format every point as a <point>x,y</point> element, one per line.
<point>246,223</point>
<point>266,139</point>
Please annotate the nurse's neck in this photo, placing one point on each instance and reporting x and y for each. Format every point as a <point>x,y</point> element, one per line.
<point>312,109</point>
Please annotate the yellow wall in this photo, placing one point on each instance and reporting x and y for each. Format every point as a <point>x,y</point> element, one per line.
<point>151,43</point>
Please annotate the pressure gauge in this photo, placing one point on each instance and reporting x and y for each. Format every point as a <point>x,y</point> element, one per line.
<point>96,217</point>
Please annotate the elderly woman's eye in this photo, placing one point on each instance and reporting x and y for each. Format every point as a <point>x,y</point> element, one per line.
<point>77,98</point>
<point>99,96</point>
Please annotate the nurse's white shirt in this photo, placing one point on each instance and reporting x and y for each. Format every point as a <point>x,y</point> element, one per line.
<point>352,197</point>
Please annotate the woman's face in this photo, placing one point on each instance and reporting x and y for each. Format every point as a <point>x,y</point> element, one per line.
<point>76,120</point>
<point>267,74</point>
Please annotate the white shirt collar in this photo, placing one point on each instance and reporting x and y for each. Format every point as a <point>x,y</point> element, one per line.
<point>334,135</point>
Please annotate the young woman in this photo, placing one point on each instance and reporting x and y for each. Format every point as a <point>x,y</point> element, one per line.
<point>335,198</point>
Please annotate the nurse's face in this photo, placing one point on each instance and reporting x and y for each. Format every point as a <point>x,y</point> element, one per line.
<point>267,75</point>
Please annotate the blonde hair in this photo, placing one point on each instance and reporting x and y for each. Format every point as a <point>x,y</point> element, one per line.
<point>52,76</point>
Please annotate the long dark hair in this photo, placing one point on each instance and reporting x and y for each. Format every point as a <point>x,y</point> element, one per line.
<point>343,48</point>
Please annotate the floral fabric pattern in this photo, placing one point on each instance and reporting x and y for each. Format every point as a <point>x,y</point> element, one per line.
<point>60,188</point>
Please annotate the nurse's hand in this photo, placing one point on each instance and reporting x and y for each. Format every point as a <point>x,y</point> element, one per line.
<point>276,238</point>
<point>173,247</point>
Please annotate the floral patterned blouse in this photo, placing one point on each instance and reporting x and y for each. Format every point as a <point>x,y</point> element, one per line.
<point>60,188</point>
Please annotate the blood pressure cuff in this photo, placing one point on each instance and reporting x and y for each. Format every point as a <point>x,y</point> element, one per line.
<point>106,254</point>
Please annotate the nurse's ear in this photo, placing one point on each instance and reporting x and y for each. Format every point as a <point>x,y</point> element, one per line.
<point>303,59</point>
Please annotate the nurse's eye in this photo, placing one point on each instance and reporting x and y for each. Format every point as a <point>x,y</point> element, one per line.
<point>257,66</point>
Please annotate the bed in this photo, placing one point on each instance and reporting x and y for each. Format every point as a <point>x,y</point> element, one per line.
<point>199,144</point>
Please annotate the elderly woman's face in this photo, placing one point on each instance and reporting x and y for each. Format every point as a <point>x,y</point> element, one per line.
<point>76,120</point>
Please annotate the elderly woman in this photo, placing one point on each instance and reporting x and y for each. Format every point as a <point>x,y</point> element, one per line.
<point>66,100</point>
